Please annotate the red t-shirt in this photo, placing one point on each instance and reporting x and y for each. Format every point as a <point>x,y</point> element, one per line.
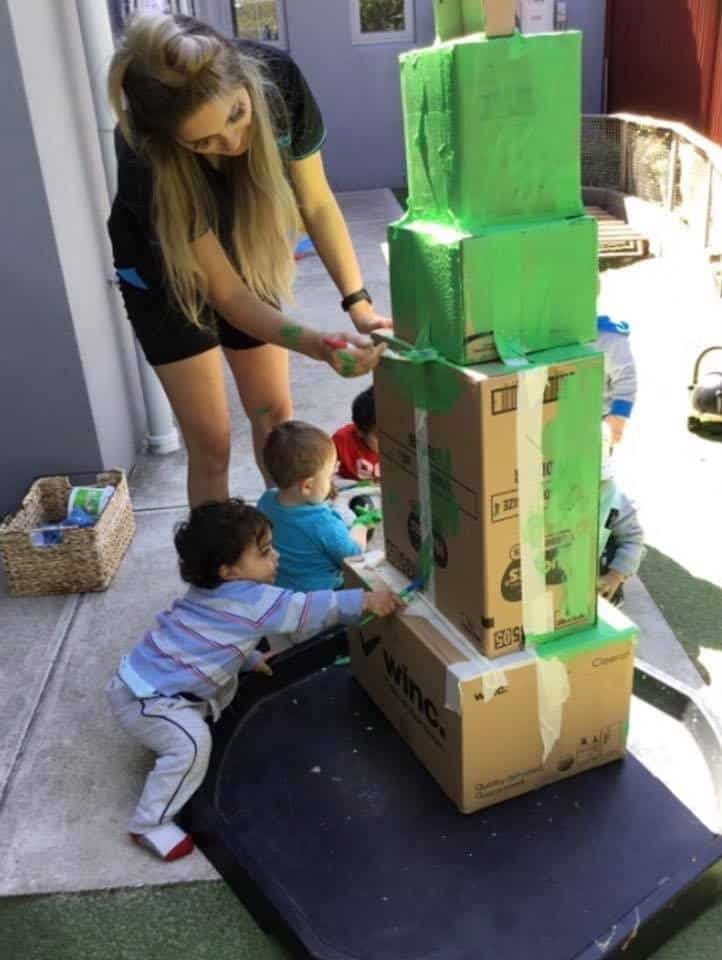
<point>356,461</point>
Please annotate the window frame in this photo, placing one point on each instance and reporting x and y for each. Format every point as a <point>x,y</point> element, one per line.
<point>359,38</point>
<point>282,42</point>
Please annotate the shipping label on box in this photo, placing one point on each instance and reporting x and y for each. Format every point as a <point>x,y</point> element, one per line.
<point>483,535</point>
<point>492,129</point>
<point>507,292</point>
<point>490,730</point>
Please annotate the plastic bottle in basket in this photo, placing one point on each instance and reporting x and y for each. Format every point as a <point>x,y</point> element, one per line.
<point>85,504</point>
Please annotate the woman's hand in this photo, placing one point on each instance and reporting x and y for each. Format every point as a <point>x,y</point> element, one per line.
<point>350,354</point>
<point>365,319</point>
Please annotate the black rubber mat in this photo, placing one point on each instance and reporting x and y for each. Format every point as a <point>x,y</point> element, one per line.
<point>322,820</point>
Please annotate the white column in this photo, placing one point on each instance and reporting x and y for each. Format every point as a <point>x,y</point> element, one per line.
<point>162,435</point>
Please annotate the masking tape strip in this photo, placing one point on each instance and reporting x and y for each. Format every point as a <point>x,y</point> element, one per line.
<point>553,692</point>
<point>537,604</point>
<point>552,676</point>
<point>426,554</point>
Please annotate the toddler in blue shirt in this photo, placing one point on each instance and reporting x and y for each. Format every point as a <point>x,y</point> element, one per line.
<point>311,537</point>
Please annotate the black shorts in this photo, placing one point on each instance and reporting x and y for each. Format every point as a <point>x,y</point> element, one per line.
<point>167,335</point>
<point>163,331</point>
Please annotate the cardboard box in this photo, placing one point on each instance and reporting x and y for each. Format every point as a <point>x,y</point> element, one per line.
<point>492,129</point>
<point>456,17</point>
<point>536,16</point>
<point>478,421</point>
<point>487,731</point>
<point>509,290</point>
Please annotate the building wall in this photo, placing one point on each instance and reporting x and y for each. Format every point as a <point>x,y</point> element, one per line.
<point>589,16</point>
<point>357,86</point>
<point>68,392</point>
<point>358,90</point>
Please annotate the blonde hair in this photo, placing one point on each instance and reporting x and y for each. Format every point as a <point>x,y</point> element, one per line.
<point>165,69</point>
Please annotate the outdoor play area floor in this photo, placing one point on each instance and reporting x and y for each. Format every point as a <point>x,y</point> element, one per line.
<point>71,885</point>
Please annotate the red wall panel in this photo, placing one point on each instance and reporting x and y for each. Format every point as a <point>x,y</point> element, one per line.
<point>664,59</point>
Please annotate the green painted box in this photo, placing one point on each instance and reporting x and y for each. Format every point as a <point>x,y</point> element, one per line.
<point>506,292</point>
<point>493,129</point>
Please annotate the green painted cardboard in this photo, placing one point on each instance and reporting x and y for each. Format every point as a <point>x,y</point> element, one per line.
<point>472,427</point>
<point>454,18</point>
<point>493,129</point>
<point>612,627</point>
<point>505,292</point>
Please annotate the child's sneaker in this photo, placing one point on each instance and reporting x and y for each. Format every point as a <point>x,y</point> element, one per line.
<point>168,842</point>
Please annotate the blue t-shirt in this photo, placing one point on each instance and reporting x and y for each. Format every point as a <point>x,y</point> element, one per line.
<point>313,542</point>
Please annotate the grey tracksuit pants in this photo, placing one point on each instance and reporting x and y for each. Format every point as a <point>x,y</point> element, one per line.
<point>176,730</point>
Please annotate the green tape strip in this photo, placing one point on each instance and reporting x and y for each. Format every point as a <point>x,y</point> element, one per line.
<point>570,443</point>
<point>424,379</point>
<point>601,635</point>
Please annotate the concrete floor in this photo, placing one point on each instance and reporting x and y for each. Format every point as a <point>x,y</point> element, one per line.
<point>69,776</point>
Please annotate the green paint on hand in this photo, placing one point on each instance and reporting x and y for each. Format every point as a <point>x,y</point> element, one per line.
<point>348,363</point>
<point>292,333</point>
<point>262,411</point>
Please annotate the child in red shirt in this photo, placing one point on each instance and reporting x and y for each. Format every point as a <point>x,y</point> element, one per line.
<point>357,444</point>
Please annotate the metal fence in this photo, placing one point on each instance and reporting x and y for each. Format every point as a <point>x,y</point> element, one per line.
<point>663,163</point>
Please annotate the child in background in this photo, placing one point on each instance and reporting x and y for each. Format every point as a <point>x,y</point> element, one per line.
<point>620,374</point>
<point>311,537</point>
<point>186,669</point>
<point>357,444</point>
<point>621,538</point>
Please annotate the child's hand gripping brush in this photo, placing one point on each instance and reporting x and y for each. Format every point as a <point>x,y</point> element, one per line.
<point>413,587</point>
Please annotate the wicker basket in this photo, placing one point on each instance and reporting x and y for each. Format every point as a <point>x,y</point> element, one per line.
<point>88,556</point>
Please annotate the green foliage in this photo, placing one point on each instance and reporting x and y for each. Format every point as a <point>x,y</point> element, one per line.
<point>382,16</point>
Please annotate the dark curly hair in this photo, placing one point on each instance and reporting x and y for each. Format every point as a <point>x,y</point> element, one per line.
<point>363,411</point>
<point>216,533</point>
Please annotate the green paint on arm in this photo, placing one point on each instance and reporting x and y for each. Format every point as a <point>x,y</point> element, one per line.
<point>262,411</point>
<point>292,335</point>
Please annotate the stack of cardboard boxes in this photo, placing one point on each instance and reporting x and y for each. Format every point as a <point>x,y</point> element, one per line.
<point>501,675</point>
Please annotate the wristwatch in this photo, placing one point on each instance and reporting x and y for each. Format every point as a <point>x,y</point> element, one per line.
<point>350,299</point>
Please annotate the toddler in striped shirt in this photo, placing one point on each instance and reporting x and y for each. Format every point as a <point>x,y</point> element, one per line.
<point>186,668</point>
